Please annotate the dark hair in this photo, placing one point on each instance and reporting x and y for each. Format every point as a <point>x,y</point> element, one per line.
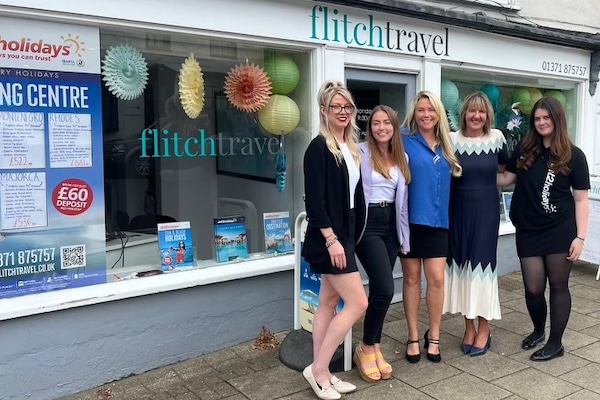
<point>560,143</point>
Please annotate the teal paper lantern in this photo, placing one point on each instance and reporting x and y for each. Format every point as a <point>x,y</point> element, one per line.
<point>283,72</point>
<point>280,115</point>
<point>491,91</point>
<point>521,95</point>
<point>449,93</point>
<point>558,95</point>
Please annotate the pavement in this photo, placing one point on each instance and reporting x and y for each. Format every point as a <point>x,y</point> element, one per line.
<point>505,372</point>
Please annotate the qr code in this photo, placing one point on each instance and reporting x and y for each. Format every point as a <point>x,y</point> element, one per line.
<point>72,256</point>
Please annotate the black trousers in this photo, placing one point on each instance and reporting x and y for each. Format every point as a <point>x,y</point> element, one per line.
<point>377,251</point>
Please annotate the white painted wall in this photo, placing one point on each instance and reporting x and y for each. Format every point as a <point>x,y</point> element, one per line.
<point>579,15</point>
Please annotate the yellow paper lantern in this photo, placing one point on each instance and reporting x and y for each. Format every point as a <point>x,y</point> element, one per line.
<point>280,115</point>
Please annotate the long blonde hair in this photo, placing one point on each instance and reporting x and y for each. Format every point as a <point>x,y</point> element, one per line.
<point>442,129</point>
<point>326,93</point>
<point>396,149</point>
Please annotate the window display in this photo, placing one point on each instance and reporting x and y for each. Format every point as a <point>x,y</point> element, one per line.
<point>512,98</point>
<point>212,135</point>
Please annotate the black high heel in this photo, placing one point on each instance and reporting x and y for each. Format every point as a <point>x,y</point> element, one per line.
<point>412,358</point>
<point>436,358</point>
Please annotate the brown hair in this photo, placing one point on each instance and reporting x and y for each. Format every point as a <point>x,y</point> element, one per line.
<point>560,143</point>
<point>396,148</point>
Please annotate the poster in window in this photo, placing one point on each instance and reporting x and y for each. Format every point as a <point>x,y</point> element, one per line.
<point>52,226</point>
<point>244,150</point>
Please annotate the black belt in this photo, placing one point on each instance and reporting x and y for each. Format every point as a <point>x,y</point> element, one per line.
<point>381,204</point>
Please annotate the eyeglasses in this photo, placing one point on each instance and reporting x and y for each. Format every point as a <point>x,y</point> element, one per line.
<point>336,108</point>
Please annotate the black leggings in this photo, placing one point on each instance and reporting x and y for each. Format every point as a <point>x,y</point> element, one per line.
<point>556,269</point>
<point>377,251</point>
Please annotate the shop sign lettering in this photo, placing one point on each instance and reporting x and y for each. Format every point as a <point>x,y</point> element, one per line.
<point>330,25</point>
<point>165,144</point>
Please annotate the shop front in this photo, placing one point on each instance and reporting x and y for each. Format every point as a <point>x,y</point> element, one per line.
<point>170,152</point>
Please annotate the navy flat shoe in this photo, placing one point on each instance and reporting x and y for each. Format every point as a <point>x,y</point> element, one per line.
<point>476,351</point>
<point>542,355</point>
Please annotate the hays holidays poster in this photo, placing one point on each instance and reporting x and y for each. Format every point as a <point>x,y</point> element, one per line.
<point>52,233</point>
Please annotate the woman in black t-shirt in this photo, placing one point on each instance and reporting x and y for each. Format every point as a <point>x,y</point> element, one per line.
<point>550,213</point>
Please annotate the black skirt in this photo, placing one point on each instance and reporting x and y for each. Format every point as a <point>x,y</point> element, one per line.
<point>542,242</point>
<point>427,242</point>
<point>351,265</point>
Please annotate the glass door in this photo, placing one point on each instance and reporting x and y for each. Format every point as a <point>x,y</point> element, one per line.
<point>371,88</point>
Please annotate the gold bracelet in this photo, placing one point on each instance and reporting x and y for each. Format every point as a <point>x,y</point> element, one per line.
<point>330,235</point>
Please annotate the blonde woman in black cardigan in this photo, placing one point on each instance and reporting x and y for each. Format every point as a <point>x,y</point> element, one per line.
<point>336,212</point>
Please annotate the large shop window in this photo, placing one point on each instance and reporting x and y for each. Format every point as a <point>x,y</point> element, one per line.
<point>168,160</point>
<point>512,98</point>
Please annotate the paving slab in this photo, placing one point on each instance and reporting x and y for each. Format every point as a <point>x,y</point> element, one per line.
<point>270,384</point>
<point>486,367</point>
<point>515,322</point>
<point>392,389</point>
<point>505,372</point>
<point>585,377</point>
<point>423,373</point>
<point>586,292</point>
<point>591,352</point>
<point>583,395</point>
<point>556,367</point>
<point>464,387</point>
<point>533,384</point>
<point>573,340</point>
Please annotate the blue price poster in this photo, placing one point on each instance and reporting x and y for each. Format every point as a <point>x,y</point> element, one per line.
<point>52,227</point>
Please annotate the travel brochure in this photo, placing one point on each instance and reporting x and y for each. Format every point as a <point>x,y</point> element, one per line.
<point>175,244</point>
<point>231,241</point>
<point>278,237</point>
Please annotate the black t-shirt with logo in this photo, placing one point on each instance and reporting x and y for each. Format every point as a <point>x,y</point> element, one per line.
<point>542,198</point>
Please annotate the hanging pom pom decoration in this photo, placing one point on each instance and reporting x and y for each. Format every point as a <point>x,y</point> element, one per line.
<point>247,87</point>
<point>191,87</point>
<point>125,71</point>
<point>281,166</point>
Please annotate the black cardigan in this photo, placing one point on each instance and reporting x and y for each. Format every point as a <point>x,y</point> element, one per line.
<point>328,201</point>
